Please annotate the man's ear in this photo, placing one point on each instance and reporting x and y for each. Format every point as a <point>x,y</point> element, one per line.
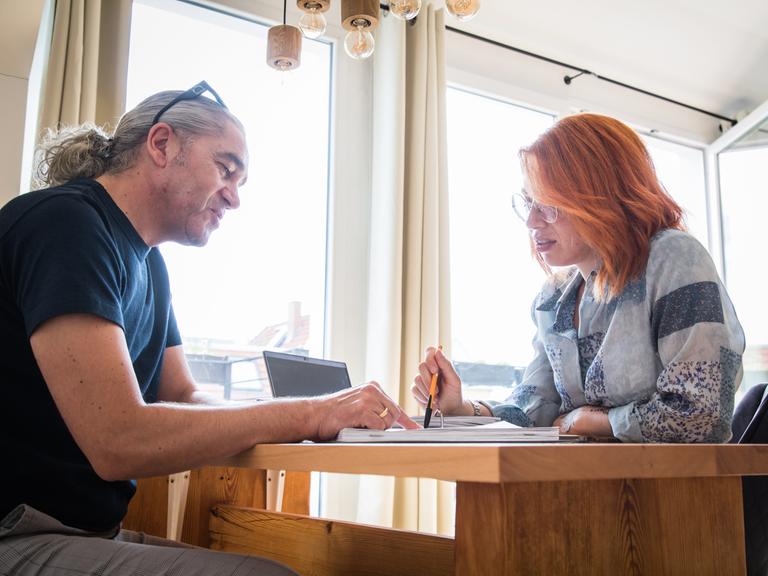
<point>162,144</point>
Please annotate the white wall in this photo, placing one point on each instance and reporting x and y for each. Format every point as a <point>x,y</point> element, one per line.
<point>20,22</point>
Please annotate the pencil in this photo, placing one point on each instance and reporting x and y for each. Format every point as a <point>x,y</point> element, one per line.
<point>432,390</point>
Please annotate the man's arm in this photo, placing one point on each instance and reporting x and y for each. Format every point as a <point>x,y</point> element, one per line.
<point>177,383</point>
<point>86,365</point>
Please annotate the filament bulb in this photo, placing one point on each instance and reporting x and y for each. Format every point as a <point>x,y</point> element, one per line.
<point>313,23</point>
<point>463,9</point>
<point>359,43</point>
<point>405,9</point>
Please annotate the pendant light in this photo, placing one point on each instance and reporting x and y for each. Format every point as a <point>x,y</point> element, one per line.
<point>312,23</point>
<point>284,45</point>
<point>360,18</point>
<point>463,9</point>
<point>405,9</point>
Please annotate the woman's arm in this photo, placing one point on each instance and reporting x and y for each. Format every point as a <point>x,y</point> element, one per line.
<point>699,342</point>
<point>586,421</point>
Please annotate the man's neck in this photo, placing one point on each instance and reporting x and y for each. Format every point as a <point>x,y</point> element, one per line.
<point>132,192</point>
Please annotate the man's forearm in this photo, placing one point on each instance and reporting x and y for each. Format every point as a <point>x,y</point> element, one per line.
<point>161,438</point>
<point>208,399</point>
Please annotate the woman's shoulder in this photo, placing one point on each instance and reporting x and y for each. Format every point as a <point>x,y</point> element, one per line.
<point>677,259</point>
<point>673,243</point>
<point>555,285</point>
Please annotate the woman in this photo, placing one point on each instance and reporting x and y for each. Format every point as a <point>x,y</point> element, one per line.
<point>636,338</point>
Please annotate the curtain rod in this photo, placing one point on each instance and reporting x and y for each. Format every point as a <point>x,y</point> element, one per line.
<point>581,71</point>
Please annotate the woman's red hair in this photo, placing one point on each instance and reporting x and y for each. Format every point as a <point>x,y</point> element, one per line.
<point>598,172</point>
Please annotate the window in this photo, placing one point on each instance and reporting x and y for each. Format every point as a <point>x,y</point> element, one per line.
<point>680,169</point>
<point>491,295</point>
<point>260,281</point>
<point>743,182</point>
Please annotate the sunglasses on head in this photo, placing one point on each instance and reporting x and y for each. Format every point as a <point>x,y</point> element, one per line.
<point>195,92</point>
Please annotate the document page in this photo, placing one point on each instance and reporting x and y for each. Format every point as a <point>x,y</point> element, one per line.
<point>499,431</point>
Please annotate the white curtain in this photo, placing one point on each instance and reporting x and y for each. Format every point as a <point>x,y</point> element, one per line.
<point>88,65</point>
<point>408,300</point>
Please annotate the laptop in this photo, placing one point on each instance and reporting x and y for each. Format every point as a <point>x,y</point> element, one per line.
<point>294,375</point>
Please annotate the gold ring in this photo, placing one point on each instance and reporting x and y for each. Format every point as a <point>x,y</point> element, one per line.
<point>384,412</point>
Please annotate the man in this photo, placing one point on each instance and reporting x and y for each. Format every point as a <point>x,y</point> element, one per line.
<point>96,388</point>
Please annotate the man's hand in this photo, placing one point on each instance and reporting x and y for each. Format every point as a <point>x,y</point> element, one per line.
<point>365,406</point>
<point>585,421</point>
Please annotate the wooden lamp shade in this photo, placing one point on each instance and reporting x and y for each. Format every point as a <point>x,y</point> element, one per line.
<point>356,10</point>
<point>316,5</point>
<point>284,47</point>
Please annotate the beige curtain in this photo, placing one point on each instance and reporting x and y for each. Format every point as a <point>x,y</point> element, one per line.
<point>409,303</point>
<point>87,69</point>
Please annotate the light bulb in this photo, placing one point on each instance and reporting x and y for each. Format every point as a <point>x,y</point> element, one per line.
<point>463,9</point>
<point>359,43</point>
<point>312,23</point>
<point>405,9</point>
<point>283,64</point>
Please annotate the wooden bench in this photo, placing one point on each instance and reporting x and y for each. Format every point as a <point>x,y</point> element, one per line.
<point>236,510</point>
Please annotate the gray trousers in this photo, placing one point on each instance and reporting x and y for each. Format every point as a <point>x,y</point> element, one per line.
<point>33,543</point>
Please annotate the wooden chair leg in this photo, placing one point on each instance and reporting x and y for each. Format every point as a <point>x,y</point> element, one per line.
<point>178,506</point>
<point>275,490</point>
<point>178,486</point>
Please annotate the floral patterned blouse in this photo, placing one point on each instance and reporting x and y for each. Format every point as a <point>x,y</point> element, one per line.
<point>664,356</point>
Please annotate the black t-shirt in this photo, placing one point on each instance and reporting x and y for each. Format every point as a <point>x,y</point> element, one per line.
<point>69,250</point>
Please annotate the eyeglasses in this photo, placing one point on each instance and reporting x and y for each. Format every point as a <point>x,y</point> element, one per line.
<point>524,205</point>
<point>195,92</point>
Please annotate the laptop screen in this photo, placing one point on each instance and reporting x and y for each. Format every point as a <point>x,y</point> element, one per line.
<point>293,375</point>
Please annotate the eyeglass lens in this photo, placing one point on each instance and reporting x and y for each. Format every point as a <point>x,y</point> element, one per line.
<point>523,206</point>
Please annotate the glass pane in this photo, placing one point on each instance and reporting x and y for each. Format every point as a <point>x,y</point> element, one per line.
<point>494,278</point>
<point>491,323</point>
<point>743,185</point>
<point>680,169</point>
<point>757,138</point>
<point>260,281</point>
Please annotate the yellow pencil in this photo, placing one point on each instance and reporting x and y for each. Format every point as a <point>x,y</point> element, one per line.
<point>432,390</point>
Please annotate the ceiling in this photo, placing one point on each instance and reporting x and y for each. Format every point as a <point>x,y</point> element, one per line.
<point>706,53</point>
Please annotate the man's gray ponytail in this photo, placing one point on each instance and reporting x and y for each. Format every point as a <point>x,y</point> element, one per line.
<point>88,151</point>
<point>69,153</point>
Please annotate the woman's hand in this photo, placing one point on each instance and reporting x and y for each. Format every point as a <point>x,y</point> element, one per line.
<point>585,421</point>
<point>448,397</point>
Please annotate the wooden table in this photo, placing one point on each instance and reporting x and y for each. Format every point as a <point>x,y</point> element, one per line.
<point>567,508</point>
